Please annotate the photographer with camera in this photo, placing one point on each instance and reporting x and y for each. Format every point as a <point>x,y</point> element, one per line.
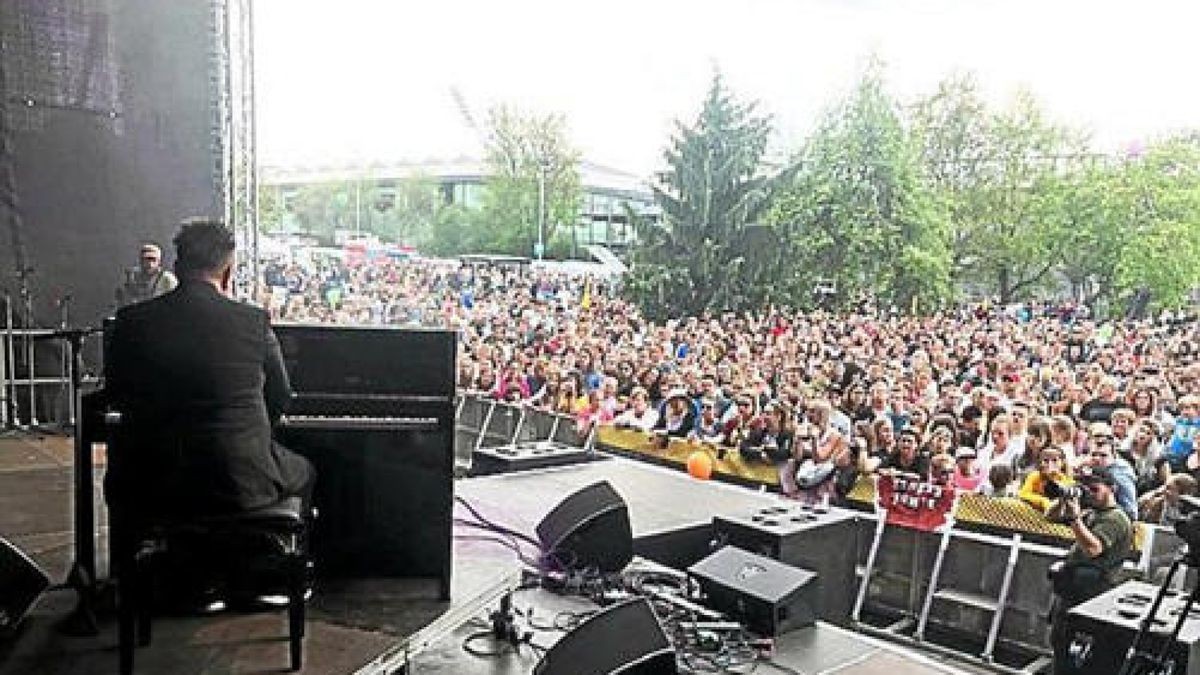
<point>1103,538</point>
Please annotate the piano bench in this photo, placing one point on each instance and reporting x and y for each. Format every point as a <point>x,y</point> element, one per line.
<point>281,523</point>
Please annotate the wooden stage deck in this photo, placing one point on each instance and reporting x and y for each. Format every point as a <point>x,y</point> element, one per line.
<point>383,626</point>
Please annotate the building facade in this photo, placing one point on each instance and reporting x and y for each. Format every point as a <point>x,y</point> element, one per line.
<point>608,194</point>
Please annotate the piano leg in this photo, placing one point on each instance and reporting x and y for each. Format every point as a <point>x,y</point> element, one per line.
<point>82,577</point>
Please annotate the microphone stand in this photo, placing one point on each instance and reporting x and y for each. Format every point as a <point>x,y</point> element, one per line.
<point>27,305</point>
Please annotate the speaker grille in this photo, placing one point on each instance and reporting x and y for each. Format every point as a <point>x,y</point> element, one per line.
<point>21,582</point>
<point>589,529</point>
<point>625,638</point>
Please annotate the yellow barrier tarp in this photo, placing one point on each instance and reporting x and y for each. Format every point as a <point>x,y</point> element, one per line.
<point>973,509</point>
<point>678,450</point>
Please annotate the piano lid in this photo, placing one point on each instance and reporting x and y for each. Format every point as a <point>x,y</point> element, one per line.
<point>343,362</point>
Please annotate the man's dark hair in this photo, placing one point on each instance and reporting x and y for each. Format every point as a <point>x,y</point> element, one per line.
<point>202,246</point>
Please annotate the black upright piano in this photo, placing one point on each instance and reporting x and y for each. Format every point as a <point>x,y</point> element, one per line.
<point>373,410</point>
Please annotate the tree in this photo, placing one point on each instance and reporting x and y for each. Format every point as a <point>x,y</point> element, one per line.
<point>858,212</point>
<point>455,229</point>
<point>270,209</point>
<point>405,211</point>
<point>951,130</point>
<point>1084,207</point>
<point>1017,246</point>
<point>710,251</point>
<point>321,209</point>
<point>997,172</point>
<point>1159,198</point>
<point>531,164</point>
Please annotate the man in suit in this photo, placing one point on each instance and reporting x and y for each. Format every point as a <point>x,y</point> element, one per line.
<point>199,379</point>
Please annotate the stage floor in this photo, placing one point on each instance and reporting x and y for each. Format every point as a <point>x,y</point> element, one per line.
<point>820,649</point>
<point>378,626</point>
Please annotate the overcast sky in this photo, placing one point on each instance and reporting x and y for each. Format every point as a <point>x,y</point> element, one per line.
<point>371,79</point>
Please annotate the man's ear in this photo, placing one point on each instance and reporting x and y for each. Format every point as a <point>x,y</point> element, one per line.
<point>227,279</point>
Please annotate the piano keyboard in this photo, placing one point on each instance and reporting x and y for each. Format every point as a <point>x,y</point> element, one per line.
<point>358,423</point>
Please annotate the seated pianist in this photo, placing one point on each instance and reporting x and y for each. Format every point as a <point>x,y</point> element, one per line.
<point>199,380</point>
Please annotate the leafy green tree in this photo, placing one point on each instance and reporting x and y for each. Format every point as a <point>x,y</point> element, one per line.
<point>455,229</point>
<point>1000,175</point>
<point>951,129</point>
<point>859,213</point>
<point>531,165</point>
<point>710,251</point>
<point>1017,246</point>
<point>321,208</point>
<point>1084,206</point>
<point>404,212</point>
<point>271,210</point>
<point>1159,195</point>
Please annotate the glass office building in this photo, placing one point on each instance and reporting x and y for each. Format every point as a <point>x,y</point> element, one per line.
<point>608,194</point>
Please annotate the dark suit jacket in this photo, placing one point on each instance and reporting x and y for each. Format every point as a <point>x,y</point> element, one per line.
<point>199,379</point>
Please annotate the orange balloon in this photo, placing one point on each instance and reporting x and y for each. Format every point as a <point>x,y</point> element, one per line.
<point>700,465</point>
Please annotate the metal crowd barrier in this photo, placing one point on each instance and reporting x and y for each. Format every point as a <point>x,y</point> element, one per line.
<point>482,422</point>
<point>993,587</point>
<point>20,383</point>
<point>988,583</point>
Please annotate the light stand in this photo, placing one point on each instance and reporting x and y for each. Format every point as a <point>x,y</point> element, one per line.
<point>1141,660</point>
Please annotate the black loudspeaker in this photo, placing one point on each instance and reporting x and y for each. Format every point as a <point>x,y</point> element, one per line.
<point>818,540</point>
<point>21,582</point>
<point>1102,630</point>
<point>589,529</point>
<point>768,596</point>
<point>625,638</point>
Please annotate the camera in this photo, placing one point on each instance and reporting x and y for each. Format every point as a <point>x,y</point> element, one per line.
<point>1188,528</point>
<point>1056,490</point>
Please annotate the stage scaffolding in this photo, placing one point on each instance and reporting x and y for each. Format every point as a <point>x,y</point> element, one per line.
<point>234,131</point>
<point>61,55</point>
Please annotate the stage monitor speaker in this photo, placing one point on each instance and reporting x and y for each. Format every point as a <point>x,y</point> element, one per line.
<point>624,639</point>
<point>1102,630</point>
<point>21,582</point>
<point>589,530</point>
<point>767,595</point>
<point>818,540</point>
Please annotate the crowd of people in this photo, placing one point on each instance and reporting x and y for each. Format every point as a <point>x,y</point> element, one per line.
<point>1009,402</point>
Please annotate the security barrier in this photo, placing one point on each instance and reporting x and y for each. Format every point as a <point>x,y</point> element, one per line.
<point>728,464</point>
<point>484,422</point>
<point>30,397</point>
<point>966,593</point>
